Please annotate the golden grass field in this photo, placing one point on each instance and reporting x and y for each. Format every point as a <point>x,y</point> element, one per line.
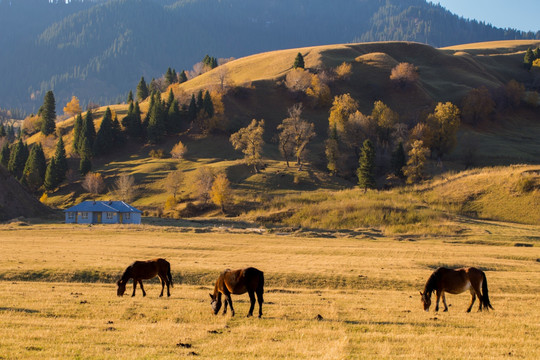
<point>58,297</point>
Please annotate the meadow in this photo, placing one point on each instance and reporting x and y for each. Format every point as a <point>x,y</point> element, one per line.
<point>329,295</point>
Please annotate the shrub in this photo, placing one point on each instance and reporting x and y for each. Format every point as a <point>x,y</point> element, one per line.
<point>157,153</point>
<point>178,151</point>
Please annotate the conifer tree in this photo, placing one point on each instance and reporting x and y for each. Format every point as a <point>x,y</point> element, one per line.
<point>142,90</point>
<point>88,135</point>
<point>117,131</point>
<point>130,97</point>
<point>298,61</point>
<point>51,176</point>
<point>2,130</point>
<point>104,138</point>
<point>170,99</point>
<point>208,106</point>
<point>366,170</point>
<point>528,59</point>
<point>182,77</point>
<point>192,109</point>
<point>156,122</point>
<point>174,76</point>
<point>34,169</point>
<point>174,118</point>
<point>169,77</point>
<point>398,160</point>
<point>10,133</point>
<point>77,129</point>
<point>4,155</point>
<point>85,165</point>
<point>60,161</point>
<point>200,101</point>
<point>17,159</point>
<point>48,114</point>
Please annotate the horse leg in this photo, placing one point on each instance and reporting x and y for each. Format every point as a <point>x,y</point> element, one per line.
<point>473,294</point>
<point>438,298</point>
<point>444,301</point>
<point>162,286</point>
<point>225,303</point>
<point>252,301</point>
<point>260,300</point>
<point>142,288</point>
<point>134,287</point>
<point>228,297</point>
<point>476,288</point>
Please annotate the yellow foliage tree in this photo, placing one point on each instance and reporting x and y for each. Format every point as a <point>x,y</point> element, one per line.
<point>443,125</point>
<point>342,108</point>
<point>72,107</point>
<point>170,203</point>
<point>44,198</point>
<point>319,92</point>
<point>221,191</point>
<point>344,71</point>
<point>414,171</point>
<point>250,141</point>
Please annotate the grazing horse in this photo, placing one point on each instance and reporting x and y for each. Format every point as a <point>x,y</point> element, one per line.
<point>238,282</point>
<point>455,282</point>
<point>143,270</point>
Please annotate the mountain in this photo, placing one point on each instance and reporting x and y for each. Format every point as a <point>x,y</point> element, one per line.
<point>98,50</point>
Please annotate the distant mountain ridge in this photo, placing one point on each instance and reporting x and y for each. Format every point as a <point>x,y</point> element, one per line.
<point>98,50</point>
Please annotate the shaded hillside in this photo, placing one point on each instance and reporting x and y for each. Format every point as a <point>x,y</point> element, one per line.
<point>98,50</point>
<point>15,200</point>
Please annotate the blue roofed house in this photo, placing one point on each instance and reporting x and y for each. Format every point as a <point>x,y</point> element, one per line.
<point>103,212</point>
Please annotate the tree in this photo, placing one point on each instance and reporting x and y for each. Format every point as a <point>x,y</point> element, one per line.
<point>124,187</point>
<point>3,132</point>
<point>87,136</point>
<point>4,155</point>
<point>132,121</point>
<point>342,108</point>
<point>173,182</point>
<point>404,74</point>
<point>204,180</point>
<point>414,171</point>
<point>443,124</point>
<point>528,59</point>
<point>130,97</point>
<point>17,159</point>
<point>386,119</point>
<point>318,92</point>
<point>48,114</point>
<point>221,191</point>
<point>344,71</point>
<point>104,138</point>
<point>182,78</point>
<point>296,130</point>
<point>298,80</point>
<point>73,107</point>
<point>366,170</point>
<point>250,141</point>
<point>85,165</point>
<point>332,151</point>
<point>192,109</point>
<point>477,106</point>
<point>207,105</point>
<point>156,122</point>
<point>35,167</point>
<point>51,176</point>
<point>170,77</point>
<point>514,93</point>
<point>60,160</point>
<point>142,90</point>
<point>77,130</point>
<point>93,183</point>
<point>298,61</point>
<point>174,118</point>
<point>398,160</point>
<point>178,151</point>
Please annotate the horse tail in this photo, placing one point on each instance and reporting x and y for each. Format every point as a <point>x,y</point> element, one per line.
<point>169,276</point>
<point>260,287</point>
<point>485,296</point>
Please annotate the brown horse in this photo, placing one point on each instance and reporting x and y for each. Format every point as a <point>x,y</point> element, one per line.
<point>455,282</point>
<point>143,270</point>
<point>238,282</point>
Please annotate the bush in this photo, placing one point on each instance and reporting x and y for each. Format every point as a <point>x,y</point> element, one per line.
<point>157,153</point>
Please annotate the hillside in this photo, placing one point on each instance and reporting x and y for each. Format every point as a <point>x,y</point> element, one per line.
<point>97,50</point>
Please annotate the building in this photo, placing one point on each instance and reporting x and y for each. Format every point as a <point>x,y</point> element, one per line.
<point>103,212</point>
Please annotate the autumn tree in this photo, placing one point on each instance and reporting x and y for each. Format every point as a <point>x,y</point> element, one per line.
<point>221,191</point>
<point>250,141</point>
<point>404,74</point>
<point>73,107</point>
<point>48,114</point>
<point>343,71</point>
<point>386,120</point>
<point>342,108</point>
<point>178,151</point>
<point>514,93</point>
<point>443,124</point>
<point>124,187</point>
<point>318,92</point>
<point>298,80</point>
<point>366,169</point>
<point>203,182</point>
<point>414,171</point>
<point>173,182</point>
<point>93,183</point>
<point>478,106</point>
<point>297,131</point>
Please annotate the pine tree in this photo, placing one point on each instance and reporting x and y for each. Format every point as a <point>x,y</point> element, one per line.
<point>117,131</point>
<point>208,106</point>
<point>156,121</point>
<point>77,129</point>
<point>298,61</point>
<point>174,118</point>
<point>192,109</point>
<point>4,155</point>
<point>85,165</point>
<point>169,77</point>
<point>17,159</point>
<point>366,170</point>
<point>174,76</point>
<point>200,101</point>
<point>51,176</point>
<point>170,99</point>
<point>104,138</point>
<point>10,133</point>
<point>48,114</point>
<point>142,90</point>
<point>182,78</point>
<point>60,161</point>
<point>35,167</point>
<point>528,59</point>
<point>398,160</point>
<point>88,135</point>
<point>130,97</point>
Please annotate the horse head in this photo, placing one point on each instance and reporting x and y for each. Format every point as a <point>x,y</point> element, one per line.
<point>121,288</point>
<point>216,303</point>
<point>426,300</point>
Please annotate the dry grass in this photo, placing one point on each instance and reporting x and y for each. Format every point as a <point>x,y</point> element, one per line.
<point>58,299</point>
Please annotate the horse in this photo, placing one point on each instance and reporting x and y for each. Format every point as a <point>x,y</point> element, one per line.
<point>456,281</point>
<point>143,270</point>
<point>238,282</point>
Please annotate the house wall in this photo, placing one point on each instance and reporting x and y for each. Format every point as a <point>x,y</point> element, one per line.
<point>134,218</point>
<point>88,220</point>
<point>71,220</point>
<point>113,220</point>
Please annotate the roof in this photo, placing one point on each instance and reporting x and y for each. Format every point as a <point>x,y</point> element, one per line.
<point>103,206</point>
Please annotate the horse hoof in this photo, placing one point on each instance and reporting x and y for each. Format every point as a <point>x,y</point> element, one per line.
<point>249,315</point>
<point>445,310</point>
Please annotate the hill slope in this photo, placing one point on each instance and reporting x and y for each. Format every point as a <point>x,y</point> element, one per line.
<point>98,50</point>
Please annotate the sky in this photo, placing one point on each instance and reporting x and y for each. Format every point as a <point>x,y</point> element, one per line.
<point>518,14</point>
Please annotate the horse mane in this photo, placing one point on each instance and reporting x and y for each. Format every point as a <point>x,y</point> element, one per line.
<point>431,283</point>
<point>127,274</point>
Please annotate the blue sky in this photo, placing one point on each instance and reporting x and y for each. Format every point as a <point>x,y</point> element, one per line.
<point>518,14</point>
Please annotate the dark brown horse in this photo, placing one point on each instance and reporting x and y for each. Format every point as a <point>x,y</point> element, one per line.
<point>143,270</point>
<point>456,281</point>
<point>238,282</point>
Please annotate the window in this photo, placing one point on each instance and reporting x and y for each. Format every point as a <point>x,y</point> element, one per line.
<point>84,215</point>
<point>110,215</point>
<point>71,215</point>
<point>127,215</point>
